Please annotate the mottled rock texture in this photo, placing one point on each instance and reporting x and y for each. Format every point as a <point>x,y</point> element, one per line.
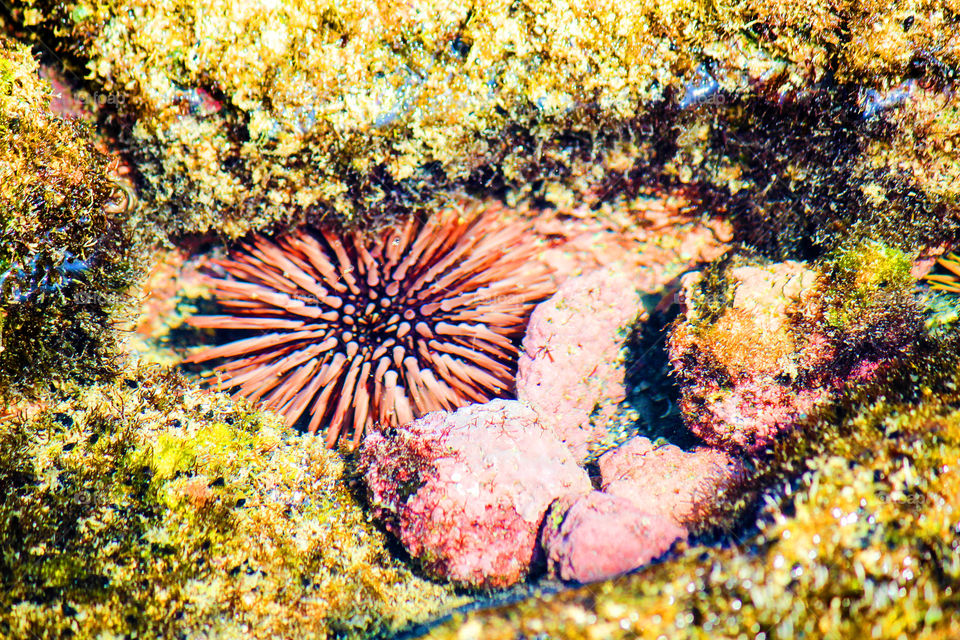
<point>667,481</point>
<point>570,370</point>
<point>243,115</point>
<point>598,536</point>
<point>466,492</point>
<point>757,357</point>
<point>65,248</point>
<point>859,532</point>
<point>761,347</point>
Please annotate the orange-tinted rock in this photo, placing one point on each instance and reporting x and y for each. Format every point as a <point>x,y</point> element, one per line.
<point>755,370</point>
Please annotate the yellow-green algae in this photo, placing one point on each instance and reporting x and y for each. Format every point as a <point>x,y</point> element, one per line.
<point>867,282</point>
<point>147,507</point>
<point>64,250</point>
<point>806,176</point>
<point>859,538</point>
<point>250,113</point>
<point>924,144</point>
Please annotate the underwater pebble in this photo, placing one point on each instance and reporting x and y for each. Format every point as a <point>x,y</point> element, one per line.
<point>466,492</point>
<point>570,361</point>
<point>598,536</point>
<point>666,480</point>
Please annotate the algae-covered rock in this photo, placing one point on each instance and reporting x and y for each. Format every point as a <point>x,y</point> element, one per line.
<point>64,251</point>
<point>751,359</point>
<point>805,177</point>
<point>146,507</point>
<point>871,299</point>
<point>923,144</point>
<point>245,114</point>
<point>761,346</point>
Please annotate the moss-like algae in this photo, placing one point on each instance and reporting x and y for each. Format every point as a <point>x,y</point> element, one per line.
<point>148,507</point>
<point>867,281</point>
<point>249,114</point>
<point>64,248</point>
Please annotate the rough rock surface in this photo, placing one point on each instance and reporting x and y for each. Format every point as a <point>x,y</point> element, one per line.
<point>761,348</point>
<point>740,373</point>
<point>668,481</point>
<point>466,492</point>
<point>598,536</point>
<point>569,369</point>
<point>579,239</point>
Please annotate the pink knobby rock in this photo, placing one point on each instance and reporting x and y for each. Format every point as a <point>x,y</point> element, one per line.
<point>598,536</point>
<point>466,492</point>
<point>570,363</point>
<point>668,481</point>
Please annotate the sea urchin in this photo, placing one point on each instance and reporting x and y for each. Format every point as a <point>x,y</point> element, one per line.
<point>375,329</point>
<point>949,283</point>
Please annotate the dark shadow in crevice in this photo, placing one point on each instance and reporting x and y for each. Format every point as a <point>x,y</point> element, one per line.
<point>652,391</point>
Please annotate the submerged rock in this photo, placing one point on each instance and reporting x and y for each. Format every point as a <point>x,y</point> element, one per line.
<point>466,492</point>
<point>860,532</point>
<point>667,481</point>
<point>253,111</point>
<point>761,347</point>
<point>259,112</point>
<point>570,370</point>
<point>747,375</point>
<point>598,536</point>
<point>651,497</point>
<point>857,529</point>
<point>812,126</point>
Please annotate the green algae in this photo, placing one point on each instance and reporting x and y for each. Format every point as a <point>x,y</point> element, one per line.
<point>867,281</point>
<point>249,115</point>
<point>941,314</point>
<point>64,249</point>
<point>148,507</point>
<point>871,267</point>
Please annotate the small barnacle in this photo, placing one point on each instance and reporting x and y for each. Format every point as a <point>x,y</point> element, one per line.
<point>122,200</point>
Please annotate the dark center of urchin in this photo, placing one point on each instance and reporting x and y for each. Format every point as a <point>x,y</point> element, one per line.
<point>355,331</point>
